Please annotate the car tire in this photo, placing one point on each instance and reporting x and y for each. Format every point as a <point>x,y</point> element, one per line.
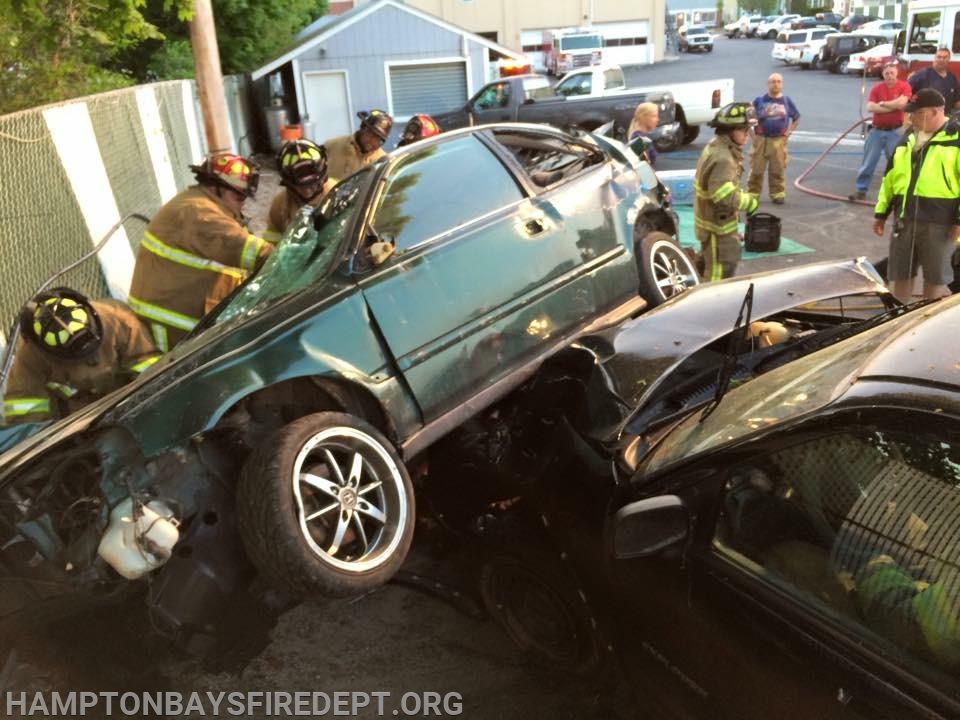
<point>843,64</point>
<point>326,506</point>
<point>664,268</point>
<point>771,34</point>
<point>815,62</point>
<point>532,596</point>
<point>690,133</point>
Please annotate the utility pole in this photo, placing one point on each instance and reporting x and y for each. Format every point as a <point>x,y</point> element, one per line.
<point>206,62</point>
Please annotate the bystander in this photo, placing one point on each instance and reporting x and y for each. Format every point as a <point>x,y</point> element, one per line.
<point>886,101</point>
<point>777,118</point>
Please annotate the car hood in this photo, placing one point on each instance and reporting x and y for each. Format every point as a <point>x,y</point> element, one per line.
<point>636,357</point>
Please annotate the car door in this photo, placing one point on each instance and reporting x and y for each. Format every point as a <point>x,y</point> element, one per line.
<point>487,272</point>
<point>823,578</point>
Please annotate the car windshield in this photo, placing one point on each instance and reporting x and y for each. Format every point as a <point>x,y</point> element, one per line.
<point>696,30</point>
<point>788,392</point>
<point>305,253</point>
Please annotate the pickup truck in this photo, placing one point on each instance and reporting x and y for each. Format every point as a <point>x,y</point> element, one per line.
<point>696,102</point>
<point>531,98</point>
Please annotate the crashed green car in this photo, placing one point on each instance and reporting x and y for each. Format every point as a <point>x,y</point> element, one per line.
<point>280,439</point>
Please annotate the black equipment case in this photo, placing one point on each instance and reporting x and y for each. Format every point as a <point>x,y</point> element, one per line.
<point>763,233</point>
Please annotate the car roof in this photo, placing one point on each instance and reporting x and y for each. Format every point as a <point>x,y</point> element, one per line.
<point>924,351</point>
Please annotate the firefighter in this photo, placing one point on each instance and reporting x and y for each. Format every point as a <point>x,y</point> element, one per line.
<point>303,174</point>
<point>196,249</point>
<point>71,352</point>
<point>348,153</point>
<point>719,197</point>
<point>419,127</point>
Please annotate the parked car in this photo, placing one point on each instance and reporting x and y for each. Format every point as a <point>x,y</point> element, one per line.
<point>872,61</point>
<point>836,51</point>
<point>280,433</point>
<point>774,27</point>
<point>754,26</point>
<point>852,22</point>
<point>786,548</point>
<point>806,52</point>
<point>696,38</point>
<point>829,18</point>
<point>888,28</point>
<point>785,41</point>
<point>804,23</point>
<point>743,26</point>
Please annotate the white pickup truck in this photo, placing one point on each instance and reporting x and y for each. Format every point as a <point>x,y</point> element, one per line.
<point>696,102</point>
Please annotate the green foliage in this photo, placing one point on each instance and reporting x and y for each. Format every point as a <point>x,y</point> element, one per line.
<point>53,50</point>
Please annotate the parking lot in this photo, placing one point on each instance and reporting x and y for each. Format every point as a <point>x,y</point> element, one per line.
<point>427,635</point>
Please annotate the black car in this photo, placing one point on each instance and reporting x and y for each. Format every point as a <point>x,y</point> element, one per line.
<point>746,546</point>
<point>829,18</point>
<point>804,23</point>
<point>852,22</point>
<point>836,51</point>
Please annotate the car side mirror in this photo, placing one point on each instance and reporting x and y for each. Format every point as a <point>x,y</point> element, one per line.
<point>646,527</point>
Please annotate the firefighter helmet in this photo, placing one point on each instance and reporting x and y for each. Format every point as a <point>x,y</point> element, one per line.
<point>302,163</point>
<point>419,127</point>
<point>377,122</point>
<point>63,323</point>
<point>734,115</point>
<point>230,171</point>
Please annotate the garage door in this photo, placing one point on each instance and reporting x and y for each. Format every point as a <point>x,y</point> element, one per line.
<point>626,43</point>
<point>427,88</point>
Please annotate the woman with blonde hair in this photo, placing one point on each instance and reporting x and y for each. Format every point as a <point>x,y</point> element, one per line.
<point>645,118</point>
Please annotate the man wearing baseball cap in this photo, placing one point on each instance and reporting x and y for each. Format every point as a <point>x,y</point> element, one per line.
<point>919,189</point>
<point>886,101</point>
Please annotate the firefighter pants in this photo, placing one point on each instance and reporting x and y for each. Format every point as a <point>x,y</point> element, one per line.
<point>721,255</point>
<point>768,152</point>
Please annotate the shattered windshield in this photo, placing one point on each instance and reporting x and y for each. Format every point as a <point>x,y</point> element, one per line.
<point>790,391</point>
<point>305,252</point>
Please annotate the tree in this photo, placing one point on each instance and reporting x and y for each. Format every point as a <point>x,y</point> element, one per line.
<point>249,33</point>
<point>52,50</point>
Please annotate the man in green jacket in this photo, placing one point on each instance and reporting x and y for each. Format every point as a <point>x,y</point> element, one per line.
<point>922,189</point>
<point>719,198</point>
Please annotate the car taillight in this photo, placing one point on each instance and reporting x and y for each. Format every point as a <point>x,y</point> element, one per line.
<point>596,55</point>
<point>715,99</point>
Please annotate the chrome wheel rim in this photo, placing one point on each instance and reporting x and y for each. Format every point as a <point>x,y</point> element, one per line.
<point>350,499</point>
<point>672,271</point>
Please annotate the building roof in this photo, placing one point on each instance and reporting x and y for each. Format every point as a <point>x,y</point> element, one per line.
<point>328,25</point>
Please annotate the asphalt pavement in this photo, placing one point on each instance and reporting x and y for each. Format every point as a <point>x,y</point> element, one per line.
<point>829,106</point>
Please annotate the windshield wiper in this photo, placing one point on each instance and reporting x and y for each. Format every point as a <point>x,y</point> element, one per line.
<point>738,339</point>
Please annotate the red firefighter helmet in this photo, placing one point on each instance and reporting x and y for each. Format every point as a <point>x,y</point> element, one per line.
<point>230,171</point>
<point>419,127</point>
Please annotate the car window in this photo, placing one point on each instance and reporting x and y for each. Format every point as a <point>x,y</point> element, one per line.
<point>577,85</point>
<point>416,204</point>
<point>612,79</point>
<point>493,96</point>
<point>819,34</point>
<point>548,159</point>
<point>306,251</point>
<point>861,525</point>
<point>536,88</point>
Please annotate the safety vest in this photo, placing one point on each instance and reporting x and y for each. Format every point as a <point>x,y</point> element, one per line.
<point>924,185</point>
<point>718,197</point>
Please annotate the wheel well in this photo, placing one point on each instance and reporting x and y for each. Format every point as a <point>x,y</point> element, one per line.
<point>680,116</point>
<point>656,220</point>
<point>272,407</point>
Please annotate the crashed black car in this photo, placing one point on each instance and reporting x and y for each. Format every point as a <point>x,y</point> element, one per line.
<point>741,530</point>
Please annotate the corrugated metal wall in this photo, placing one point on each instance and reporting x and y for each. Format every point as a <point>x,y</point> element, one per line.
<point>389,35</point>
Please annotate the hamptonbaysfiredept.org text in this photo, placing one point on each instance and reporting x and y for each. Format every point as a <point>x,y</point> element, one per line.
<point>213,704</point>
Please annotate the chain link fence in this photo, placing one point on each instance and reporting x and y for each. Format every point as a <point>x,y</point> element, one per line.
<point>43,227</point>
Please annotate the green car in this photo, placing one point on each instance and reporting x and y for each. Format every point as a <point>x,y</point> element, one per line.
<point>286,430</point>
